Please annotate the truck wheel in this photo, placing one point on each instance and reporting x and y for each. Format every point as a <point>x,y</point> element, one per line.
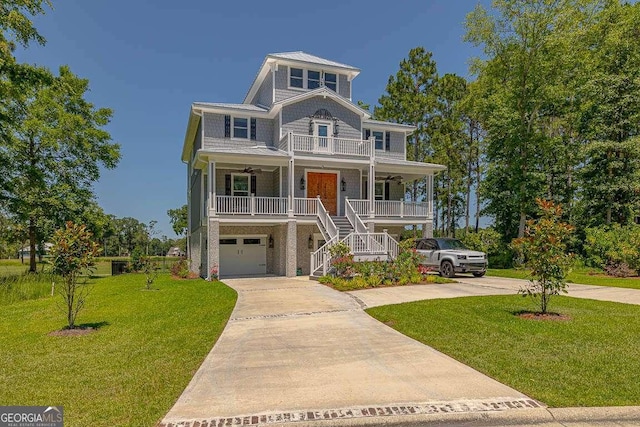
<point>446,269</point>
<point>478,273</point>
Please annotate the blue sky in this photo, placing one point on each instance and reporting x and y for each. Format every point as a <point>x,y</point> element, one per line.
<point>149,60</point>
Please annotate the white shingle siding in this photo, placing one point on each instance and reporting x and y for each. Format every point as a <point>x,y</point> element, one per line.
<point>295,117</point>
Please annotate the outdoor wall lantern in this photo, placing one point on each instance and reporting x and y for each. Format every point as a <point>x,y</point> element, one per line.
<point>343,185</point>
<point>302,183</point>
<point>270,241</point>
<point>310,243</point>
<point>336,127</point>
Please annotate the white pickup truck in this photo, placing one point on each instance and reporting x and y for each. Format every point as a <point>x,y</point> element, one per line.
<point>451,256</point>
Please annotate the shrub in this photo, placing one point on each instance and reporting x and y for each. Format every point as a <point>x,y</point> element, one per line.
<point>180,268</point>
<point>490,242</point>
<point>73,252</point>
<point>341,259</point>
<point>544,249</point>
<point>608,247</point>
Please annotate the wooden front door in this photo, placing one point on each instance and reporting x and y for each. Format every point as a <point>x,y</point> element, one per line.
<point>324,185</point>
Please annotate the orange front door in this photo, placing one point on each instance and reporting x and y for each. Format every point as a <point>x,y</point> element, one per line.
<point>324,185</point>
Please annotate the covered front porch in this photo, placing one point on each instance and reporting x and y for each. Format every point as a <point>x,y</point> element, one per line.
<point>282,186</point>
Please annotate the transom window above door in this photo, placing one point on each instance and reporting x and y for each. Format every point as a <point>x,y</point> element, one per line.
<point>301,78</point>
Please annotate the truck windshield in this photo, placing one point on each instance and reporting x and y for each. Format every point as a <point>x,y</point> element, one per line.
<point>451,244</point>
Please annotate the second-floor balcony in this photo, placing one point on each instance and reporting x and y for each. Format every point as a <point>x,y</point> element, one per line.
<point>330,145</point>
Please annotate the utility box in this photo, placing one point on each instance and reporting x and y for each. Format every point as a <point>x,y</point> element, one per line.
<point>118,267</point>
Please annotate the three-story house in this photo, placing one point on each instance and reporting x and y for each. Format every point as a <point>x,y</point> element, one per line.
<point>296,167</point>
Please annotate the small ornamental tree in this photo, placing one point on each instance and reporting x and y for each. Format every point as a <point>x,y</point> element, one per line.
<point>544,247</point>
<point>73,252</point>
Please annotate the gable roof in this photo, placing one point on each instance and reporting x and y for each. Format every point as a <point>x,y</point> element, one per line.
<point>227,106</point>
<point>321,91</point>
<point>296,58</point>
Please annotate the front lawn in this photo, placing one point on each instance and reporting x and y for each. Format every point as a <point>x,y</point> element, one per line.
<point>583,276</point>
<point>132,369</point>
<point>591,360</point>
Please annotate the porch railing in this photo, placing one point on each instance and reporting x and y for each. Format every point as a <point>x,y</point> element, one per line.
<point>326,145</point>
<point>252,205</point>
<point>302,206</point>
<point>393,208</point>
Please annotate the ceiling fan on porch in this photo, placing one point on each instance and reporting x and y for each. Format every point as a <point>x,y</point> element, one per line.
<point>249,170</point>
<point>397,178</point>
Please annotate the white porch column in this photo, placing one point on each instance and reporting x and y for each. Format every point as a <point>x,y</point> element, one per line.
<point>427,228</point>
<point>372,189</point>
<point>291,171</point>
<point>212,188</point>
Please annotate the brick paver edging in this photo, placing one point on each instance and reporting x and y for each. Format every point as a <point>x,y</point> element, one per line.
<point>466,406</point>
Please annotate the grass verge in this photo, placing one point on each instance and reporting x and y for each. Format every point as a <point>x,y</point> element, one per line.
<point>582,275</point>
<point>132,369</point>
<point>587,361</point>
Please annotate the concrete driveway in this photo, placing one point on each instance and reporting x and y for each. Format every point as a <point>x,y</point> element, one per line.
<point>295,350</point>
<point>474,286</point>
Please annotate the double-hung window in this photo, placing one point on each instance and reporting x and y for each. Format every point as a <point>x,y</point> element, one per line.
<point>313,79</point>
<point>382,138</point>
<point>296,77</point>
<point>331,81</point>
<point>379,190</point>
<point>240,128</point>
<point>240,185</point>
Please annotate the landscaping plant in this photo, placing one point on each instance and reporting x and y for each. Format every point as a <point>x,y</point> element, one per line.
<point>544,249</point>
<point>73,253</point>
<point>150,270</point>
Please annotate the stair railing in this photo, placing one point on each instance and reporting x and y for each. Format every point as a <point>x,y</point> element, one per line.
<point>325,220</point>
<point>321,257</point>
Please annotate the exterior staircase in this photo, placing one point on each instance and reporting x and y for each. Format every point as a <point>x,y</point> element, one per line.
<point>343,225</point>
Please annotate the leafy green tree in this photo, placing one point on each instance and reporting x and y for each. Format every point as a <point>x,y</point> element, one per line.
<point>178,219</point>
<point>610,119</point>
<point>411,99</point>
<point>53,154</point>
<point>73,253</point>
<point>544,247</point>
<point>523,102</point>
<point>449,142</point>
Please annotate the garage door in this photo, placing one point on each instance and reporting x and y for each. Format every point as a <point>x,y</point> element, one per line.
<point>243,255</point>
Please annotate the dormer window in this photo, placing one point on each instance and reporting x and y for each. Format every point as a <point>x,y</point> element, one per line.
<point>296,77</point>
<point>300,78</point>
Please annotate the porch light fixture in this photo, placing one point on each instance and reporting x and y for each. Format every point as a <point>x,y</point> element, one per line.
<point>302,183</point>
<point>343,185</point>
<point>310,242</point>
<point>336,127</point>
<point>270,241</point>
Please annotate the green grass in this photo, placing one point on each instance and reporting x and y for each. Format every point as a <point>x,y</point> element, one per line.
<point>132,369</point>
<point>591,360</point>
<point>581,275</point>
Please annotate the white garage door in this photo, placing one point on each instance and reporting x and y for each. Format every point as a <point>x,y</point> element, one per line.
<point>243,255</point>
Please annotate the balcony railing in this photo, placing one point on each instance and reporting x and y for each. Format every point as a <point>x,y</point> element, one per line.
<point>393,208</point>
<point>326,145</point>
<point>243,205</point>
